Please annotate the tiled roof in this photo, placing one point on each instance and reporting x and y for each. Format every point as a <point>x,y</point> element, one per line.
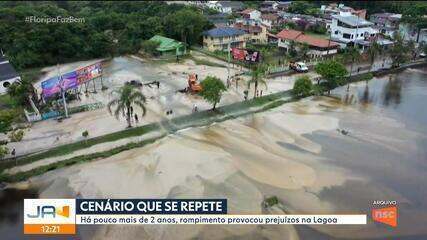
<point>223,32</point>
<point>300,37</point>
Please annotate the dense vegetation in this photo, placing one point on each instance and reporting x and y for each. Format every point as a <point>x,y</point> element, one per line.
<point>109,28</point>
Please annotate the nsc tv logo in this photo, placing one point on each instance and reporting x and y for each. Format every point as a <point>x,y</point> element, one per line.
<point>49,216</point>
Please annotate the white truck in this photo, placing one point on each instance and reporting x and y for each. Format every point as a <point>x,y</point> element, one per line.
<point>298,66</point>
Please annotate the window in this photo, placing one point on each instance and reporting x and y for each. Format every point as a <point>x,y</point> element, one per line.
<point>336,32</point>
<point>347,36</point>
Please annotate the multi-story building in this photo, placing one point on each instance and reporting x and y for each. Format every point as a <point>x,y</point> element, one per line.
<point>254,33</point>
<point>348,29</point>
<point>387,23</point>
<point>412,33</point>
<point>334,9</point>
<point>251,14</point>
<point>270,20</point>
<point>223,38</point>
<point>225,6</point>
<point>8,75</point>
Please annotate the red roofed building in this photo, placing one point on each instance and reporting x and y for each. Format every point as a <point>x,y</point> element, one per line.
<point>319,47</point>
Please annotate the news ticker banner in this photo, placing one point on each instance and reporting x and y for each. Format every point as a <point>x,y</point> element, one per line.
<point>61,216</point>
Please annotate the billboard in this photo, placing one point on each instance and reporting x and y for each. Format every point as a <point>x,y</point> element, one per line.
<point>247,55</point>
<point>53,85</point>
<point>88,73</point>
<point>70,80</point>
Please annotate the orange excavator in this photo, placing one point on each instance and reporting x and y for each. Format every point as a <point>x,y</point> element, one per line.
<point>193,85</point>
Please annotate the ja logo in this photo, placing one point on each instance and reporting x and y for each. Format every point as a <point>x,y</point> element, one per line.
<point>49,210</point>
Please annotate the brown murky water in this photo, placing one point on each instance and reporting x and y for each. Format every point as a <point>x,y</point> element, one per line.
<point>311,167</point>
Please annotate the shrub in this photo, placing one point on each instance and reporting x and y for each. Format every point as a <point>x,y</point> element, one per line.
<point>16,135</point>
<point>302,87</point>
<point>3,151</point>
<point>149,47</point>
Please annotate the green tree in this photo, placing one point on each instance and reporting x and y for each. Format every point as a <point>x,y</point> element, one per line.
<point>415,16</point>
<point>23,92</point>
<point>303,51</point>
<point>85,135</point>
<point>333,72</point>
<point>292,50</point>
<point>6,119</point>
<point>398,51</point>
<point>16,135</point>
<point>302,87</point>
<point>128,96</point>
<point>3,151</point>
<point>352,55</point>
<point>186,25</point>
<point>212,88</point>
<point>301,7</point>
<point>257,77</point>
<point>411,49</point>
<point>150,47</point>
<point>374,51</point>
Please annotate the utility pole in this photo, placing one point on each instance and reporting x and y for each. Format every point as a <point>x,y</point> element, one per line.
<point>228,64</point>
<point>61,81</point>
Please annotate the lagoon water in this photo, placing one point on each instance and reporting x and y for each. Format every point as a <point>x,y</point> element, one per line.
<point>320,170</point>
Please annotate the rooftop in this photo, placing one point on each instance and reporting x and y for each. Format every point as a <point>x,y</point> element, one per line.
<point>247,11</point>
<point>352,20</point>
<point>6,69</point>
<point>232,4</point>
<point>223,32</point>
<point>300,37</point>
<point>166,44</point>
<point>271,17</point>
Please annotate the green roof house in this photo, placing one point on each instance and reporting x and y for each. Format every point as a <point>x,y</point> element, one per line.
<point>169,46</point>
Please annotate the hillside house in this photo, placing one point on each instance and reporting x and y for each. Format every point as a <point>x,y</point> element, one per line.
<point>223,38</point>
<point>319,47</point>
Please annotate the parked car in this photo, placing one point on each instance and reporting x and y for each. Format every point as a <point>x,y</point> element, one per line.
<point>423,55</point>
<point>135,83</point>
<point>298,66</point>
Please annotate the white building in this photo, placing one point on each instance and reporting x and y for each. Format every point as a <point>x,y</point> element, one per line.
<point>8,75</point>
<point>225,6</point>
<point>386,23</point>
<point>347,29</point>
<point>252,14</point>
<point>409,32</point>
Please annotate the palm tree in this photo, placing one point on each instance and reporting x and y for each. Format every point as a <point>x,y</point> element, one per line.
<point>374,51</point>
<point>127,96</point>
<point>257,76</point>
<point>353,55</point>
<point>303,52</point>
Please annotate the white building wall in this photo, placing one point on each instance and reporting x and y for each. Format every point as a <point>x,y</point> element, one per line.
<point>4,83</point>
<point>410,33</point>
<point>255,15</point>
<point>338,32</point>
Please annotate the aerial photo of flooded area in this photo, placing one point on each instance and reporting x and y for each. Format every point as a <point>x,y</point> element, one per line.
<point>290,120</point>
